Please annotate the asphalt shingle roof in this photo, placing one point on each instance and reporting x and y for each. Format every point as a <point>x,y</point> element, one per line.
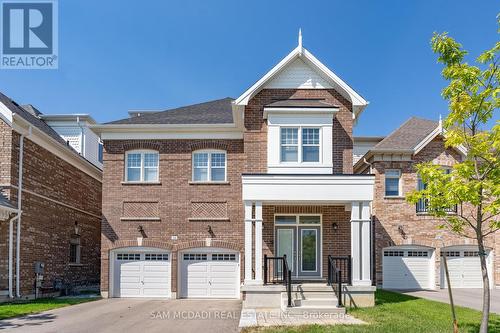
<point>213,112</point>
<point>408,135</point>
<point>29,115</point>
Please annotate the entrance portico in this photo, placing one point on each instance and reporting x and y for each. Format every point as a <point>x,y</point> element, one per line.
<point>299,236</point>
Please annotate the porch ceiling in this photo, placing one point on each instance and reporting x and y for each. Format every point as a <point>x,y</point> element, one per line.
<point>306,188</point>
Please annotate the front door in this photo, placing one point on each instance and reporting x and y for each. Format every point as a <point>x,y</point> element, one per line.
<point>301,243</point>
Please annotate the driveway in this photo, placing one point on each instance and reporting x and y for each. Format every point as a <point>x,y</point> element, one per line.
<point>133,315</point>
<point>469,298</point>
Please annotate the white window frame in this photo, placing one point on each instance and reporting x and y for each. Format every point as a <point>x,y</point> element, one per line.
<point>209,165</point>
<point>300,145</point>
<point>142,167</point>
<point>400,192</point>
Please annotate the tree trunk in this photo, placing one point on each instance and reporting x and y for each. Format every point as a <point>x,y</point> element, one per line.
<point>486,286</point>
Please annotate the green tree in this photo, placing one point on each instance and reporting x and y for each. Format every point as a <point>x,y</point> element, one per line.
<point>473,185</point>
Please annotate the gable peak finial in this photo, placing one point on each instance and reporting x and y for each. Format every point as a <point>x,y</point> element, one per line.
<point>300,37</point>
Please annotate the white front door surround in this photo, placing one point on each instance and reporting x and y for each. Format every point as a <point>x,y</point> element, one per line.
<point>353,191</point>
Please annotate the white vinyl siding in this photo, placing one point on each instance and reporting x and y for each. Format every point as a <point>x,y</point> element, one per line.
<point>298,75</point>
<point>209,166</point>
<point>142,166</point>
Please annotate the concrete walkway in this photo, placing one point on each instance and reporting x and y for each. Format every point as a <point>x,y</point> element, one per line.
<point>469,298</point>
<point>273,317</point>
<point>133,315</point>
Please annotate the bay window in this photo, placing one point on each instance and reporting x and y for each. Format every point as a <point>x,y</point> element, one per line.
<point>209,166</point>
<point>142,166</point>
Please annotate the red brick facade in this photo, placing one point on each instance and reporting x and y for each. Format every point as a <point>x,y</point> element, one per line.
<point>56,194</point>
<point>178,199</point>
<point>420,229</point>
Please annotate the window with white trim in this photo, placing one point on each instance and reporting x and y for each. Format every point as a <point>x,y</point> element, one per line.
<point>141,166</point>
<point>209,166</point>
<point>300,144</point>
<point>392,182</point>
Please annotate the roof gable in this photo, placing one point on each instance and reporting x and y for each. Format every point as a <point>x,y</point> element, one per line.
<point>307,65</point>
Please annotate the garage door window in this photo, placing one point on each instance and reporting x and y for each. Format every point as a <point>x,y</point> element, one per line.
<point>451,253</point>
<point>157,256</point>
<point>223,257</point>
<point>128,256</point>
<point>195,256</point>
<point>471,253</point>
<point>418,254</point>
<point>393,253</point>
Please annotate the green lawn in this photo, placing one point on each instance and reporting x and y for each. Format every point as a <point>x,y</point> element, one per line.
<point>15,309</point>
<point>400,313</point>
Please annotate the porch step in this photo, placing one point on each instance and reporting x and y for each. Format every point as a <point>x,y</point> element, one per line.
<point>312,287</point>
<point>313,294</point>
<point>314,311</point>
<point>316,302</point>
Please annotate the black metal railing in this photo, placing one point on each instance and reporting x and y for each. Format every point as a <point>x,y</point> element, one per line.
<point>339,271</point>
<point>276,271</point>
<point>422,206</point>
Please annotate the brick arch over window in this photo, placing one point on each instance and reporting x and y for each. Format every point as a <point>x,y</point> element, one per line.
<point>145,243</point>
<point>219,145</point>
<point>141,145</point>
<point>214,244</point>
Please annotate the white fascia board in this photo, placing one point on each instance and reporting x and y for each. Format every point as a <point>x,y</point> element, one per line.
<point>65,153</point>
<point>309,111</point>
<point>69,117</point>
<point>5,114</point>
<point>308,188</point>
<point>359,103</point>
<point>437,131</point>
<point>245,97</point>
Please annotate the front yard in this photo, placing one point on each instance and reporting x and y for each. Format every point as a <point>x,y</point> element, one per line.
<point>21,308</point>
<point>400,313</point>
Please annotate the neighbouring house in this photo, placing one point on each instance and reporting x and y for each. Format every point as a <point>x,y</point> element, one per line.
<point>407,252</point>
<point>50,203</point>
<point>267,197</point>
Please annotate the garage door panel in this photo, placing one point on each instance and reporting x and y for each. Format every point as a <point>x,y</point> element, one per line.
<point>407,269</point>
<point>148,275</point>
<point>216,276</point>
<point>464,268</point>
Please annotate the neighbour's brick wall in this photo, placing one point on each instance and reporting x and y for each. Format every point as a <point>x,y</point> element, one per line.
<point>181,203</point>
<point>389,213</point>
<point>47,226</point>
<point>255,135</point>
<point>335,242</point>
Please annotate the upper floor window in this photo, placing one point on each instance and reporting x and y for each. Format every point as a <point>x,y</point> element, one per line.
<point>142,166</point>
<point>299,144</point>
<point>100,152</point>
<point>392,183</point>
<point>209,166</point>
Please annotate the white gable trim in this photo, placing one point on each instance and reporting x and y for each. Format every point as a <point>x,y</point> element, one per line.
<point>437,131</point>
<point>5,114</point>
<point>359,103</point>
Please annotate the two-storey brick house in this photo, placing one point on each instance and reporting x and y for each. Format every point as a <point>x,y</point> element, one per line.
<point>408,242</point>
<point>218,199</point>
<point>50,206</point>
<point>196,197</point>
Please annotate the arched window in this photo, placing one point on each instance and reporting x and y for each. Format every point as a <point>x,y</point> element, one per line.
<point>209,166</point>
<point>141,166</point>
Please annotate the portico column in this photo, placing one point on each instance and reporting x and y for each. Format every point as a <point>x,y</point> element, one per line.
<point>360,243</point>
<point>248,241</point>
<point>258,242</point>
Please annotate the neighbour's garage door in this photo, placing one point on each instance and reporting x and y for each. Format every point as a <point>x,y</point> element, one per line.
<point>408,268</point>
<point>464,267</point>
<point>142,274</point>
<point>210,274</point>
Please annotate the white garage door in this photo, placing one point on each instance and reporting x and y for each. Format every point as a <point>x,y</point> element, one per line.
<point>464,268</point>
<point>209,274</point>
<point>142,274</point>
<point>408,268</point>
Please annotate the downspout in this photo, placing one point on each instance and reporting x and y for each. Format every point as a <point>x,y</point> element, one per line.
<point>369,164</point>
<point>11,253</point>
<point>19,207</point>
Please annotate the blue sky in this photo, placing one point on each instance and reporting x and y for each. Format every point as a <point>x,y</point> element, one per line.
<point>120,55</point>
